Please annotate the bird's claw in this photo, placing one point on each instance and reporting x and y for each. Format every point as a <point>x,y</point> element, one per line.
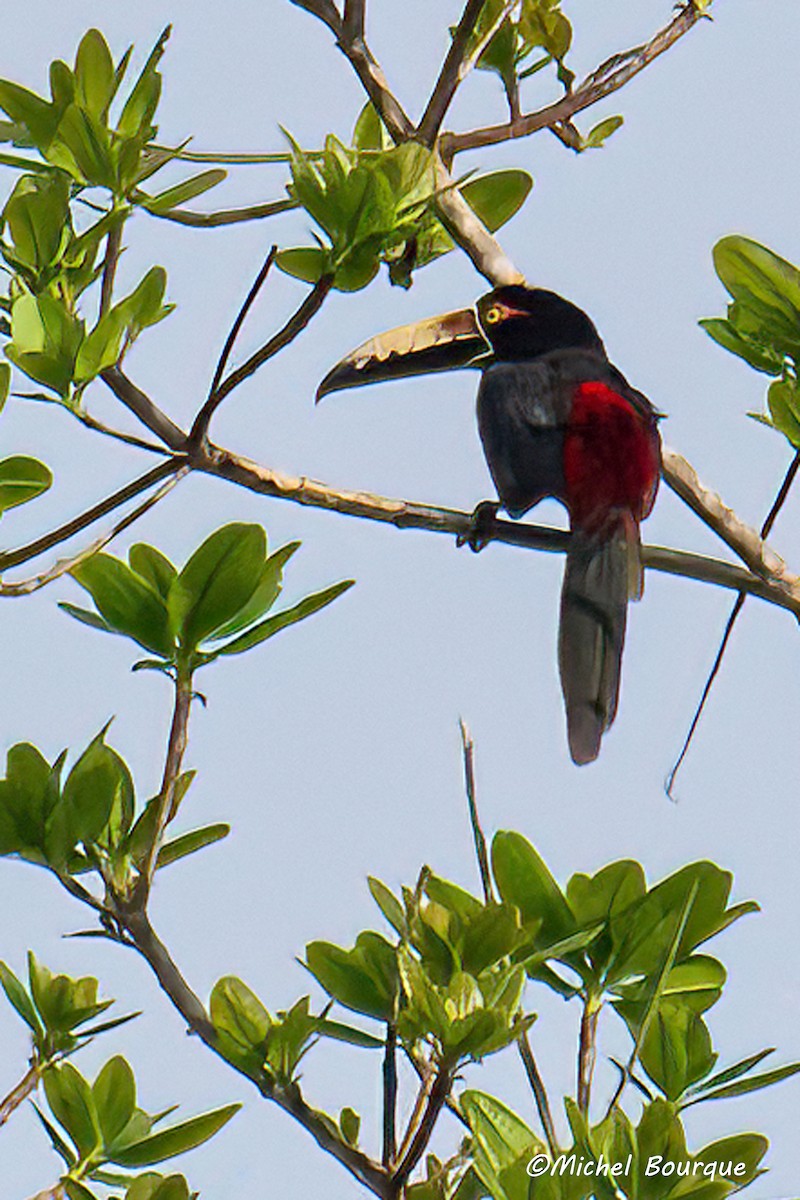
<point>482,527</point>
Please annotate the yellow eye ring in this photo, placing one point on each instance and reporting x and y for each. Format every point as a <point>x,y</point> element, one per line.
<point>493,315</point>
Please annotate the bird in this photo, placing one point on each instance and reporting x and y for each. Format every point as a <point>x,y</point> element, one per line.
<point>556,419</point>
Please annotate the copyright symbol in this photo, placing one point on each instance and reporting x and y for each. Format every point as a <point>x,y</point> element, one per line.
<point>538,1165</point>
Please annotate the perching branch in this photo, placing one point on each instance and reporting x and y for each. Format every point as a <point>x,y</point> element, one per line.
<point>587,1052</point>
<point>439,1092</point>
<point>612,75</point>
<point>390,1096</point>
<point>478,837</point>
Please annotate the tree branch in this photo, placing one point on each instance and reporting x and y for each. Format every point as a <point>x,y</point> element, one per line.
<point>20,1093</point>
<point>451,73</point>
<point>608,78</point>
<point>468,749</point>
<point>258,283</point>
<point>539,1093</point>
<point>390,1096</point>
<point>437,1098</point>
<point>353,26</point>
<point>783,591</point>
<point>587,1052</point>
<point>143,407</point>
<point>295,325</point>
<point>13,558</point>
<point>24,587</point>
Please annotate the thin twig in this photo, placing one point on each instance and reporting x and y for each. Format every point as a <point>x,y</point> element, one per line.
<point>608,78</point>
<point>143,407</point>
<point>440,1090</point>
<point>226,216</point>
<point>539,1092</point>
<point>113,247</point>
<point>738,605</point>
<point>129,439</point>
<point>176,748</point>
<point>468,748</point>
<point>20,1093</point>
<point>451,73</point>
<point>295,325</point>
<point>390,1096</point>
<point>259,282</point>
<point>587,1052</point>
<point>13,558</point>
<point>24,587</point>
<point>326,11</point>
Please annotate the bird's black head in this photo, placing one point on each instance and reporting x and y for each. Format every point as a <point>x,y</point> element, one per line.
<point>522,323</point>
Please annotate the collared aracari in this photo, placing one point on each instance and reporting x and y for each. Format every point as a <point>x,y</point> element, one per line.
<point>556,418</point>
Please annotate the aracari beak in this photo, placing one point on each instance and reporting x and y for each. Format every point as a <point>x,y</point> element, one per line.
<point>437,344</point>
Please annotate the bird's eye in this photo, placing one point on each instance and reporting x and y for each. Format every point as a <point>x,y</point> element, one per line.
<point>493,315</point>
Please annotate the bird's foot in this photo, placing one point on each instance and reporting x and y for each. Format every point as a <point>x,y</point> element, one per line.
<point>482,527</point>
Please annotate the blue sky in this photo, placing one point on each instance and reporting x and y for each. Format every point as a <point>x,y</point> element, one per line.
<point>334,750</point>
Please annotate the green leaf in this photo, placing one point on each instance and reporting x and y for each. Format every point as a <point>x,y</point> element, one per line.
<point>734,1072</point>
<point>114,1093</point>
<point>369,132</point>
<point>175,1140</point>
<point>98,781</point>
<point>338,1032</point>
<point>754,274</point>
<point>137,115</point>
<point>602,132</point>
<point>742,1086</point>
<point>94,74</point>
<point>181,193</point>
<point>153,567</point>
<point>501,1139</point>
<point>496,197</point>
<point>761,357</point>
<point>72,1104</point>
<point>19,999</point>
<point>37,218</point>
<point>783,399</point>
<point>290,616</point>
<point>265,594</point>
<point>92,619</point>
<point>128,604</point>
<point>308,263</point>
<point>363,979</point>
<point>22,479</point>
<point>746,1148</point>
<point>217,582</point>
<point>350,1125</point>
<point>239,1015</point>
<point>5,383</point>
<point>30,110</point>
<point>523,880</point>
<point>190,843</point>
<point>389,905</point>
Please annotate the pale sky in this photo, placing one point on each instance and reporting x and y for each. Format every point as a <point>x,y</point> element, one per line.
<point>334,749</point>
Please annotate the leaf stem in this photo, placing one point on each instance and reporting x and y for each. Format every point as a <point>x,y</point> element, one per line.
<point>539,1093</point>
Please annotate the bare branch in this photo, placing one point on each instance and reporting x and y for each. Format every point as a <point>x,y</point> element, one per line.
<point>167,806</point>
<point>404,514</point>
<point>127,439</point>
<point>143,407</point>
<point>13,558</point>
<point>587,1052</point>
<point>24,587</point>
<point>353,27</point>
<point>225,216</point>
<point>439,1092</point>
<point>466,227</point>
<point>468,747</point>
<point>745,541</point>
<point>326,11</point>
<point>451,74</point>
<point>539,1093</point>
<point>390,1096</point>
<point>258,283</point>
<point>608,78</point>
<point>295,325</point>
<point>766,529</point>
<point>20,1093</point>
<point>113,248</point>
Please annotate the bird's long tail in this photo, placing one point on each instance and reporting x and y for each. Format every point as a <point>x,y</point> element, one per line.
<point>603,573</point>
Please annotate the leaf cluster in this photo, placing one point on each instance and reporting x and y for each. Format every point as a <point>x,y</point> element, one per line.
<point>87,139</point>
<point>762,325</point>
<point>214,606</point>
<point>57,1010</point>
<point>102,1135</point>
<point>376,204</point>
